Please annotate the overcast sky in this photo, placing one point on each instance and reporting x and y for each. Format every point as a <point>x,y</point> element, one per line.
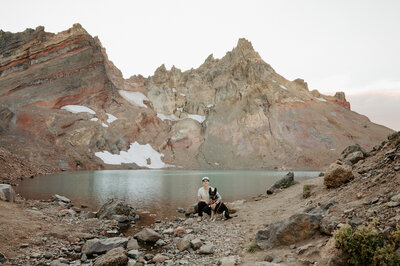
<point>350,46</point>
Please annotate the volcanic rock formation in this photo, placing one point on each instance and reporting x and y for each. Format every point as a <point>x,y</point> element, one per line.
<point>231,113</point>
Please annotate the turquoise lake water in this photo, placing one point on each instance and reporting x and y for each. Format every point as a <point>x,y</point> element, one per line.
<point>158,193</point>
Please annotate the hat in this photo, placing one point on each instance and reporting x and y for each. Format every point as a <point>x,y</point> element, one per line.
<point>205,178</point>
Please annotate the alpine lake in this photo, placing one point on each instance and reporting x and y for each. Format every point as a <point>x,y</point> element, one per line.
<point>156,194</point>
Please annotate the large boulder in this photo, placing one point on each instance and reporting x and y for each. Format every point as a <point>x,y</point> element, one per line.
<point>282,183</point>
<point>114,257</point>
<point>337,174</point>
<point>99,246</point>
<point>352,154</point>
<point>148,235</point>
<point>7,193</point>
<point>296,228</point>
<point>115,207</point>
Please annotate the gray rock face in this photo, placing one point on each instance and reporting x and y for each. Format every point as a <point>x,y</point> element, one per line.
<point>99,246</point>
<point>336,175</point>
<point>148,235</point>
<point>114,257</point>
<point>7,193</point>
<point>286,181</point>
<point>289,231</point>
<point>115,207</point>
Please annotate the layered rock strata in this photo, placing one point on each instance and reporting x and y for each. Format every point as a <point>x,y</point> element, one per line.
<point>230,113</point>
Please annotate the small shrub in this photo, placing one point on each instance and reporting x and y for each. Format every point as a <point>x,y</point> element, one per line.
<point>286,185</point>
<point>367,246</point>
<point>397,142</point>
<point>253,247</point>
<point>231,210</point>
<point>306,191</point>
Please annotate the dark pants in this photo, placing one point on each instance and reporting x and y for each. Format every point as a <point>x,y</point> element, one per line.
<point>203,207</point>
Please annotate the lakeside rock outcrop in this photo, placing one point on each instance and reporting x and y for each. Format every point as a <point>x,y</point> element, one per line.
<point>230,113</point>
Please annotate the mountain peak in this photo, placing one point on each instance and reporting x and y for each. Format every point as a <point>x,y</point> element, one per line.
<point>244,49</point>
<point>244,44</point>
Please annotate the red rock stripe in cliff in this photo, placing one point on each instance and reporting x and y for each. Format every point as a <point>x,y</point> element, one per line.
<point>51,78</point>
<point>21,64</point>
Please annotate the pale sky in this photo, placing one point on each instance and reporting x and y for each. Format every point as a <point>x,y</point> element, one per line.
<point>351,46</point>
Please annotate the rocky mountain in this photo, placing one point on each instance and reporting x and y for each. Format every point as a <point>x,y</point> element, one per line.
<point>64,105</point>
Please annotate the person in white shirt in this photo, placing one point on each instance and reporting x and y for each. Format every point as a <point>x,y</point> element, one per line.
<point>203,198</point>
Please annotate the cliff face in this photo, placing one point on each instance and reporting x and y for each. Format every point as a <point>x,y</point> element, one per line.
<point>234,112</point>
<point>42,72</point>
<point>255,118</point>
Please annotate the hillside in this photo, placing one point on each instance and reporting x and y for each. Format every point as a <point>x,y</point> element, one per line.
<point>65,106</point>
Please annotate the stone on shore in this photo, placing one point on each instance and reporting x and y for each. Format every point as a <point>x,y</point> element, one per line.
<point>296,228</point>
<point>148,235</point>
<point>7,193</point>
<point>99,246</point>
<point>115,207</point>
<point>336,175</point>
<point>61,198</point>
<point>114,257</point>
<point>284,182</point>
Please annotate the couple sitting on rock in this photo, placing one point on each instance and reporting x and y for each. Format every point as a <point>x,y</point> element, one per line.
<point>210,201</point>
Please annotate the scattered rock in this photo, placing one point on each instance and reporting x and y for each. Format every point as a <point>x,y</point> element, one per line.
<point>114,257</point>
<point>99,246</point>
<point>115,207</point>
<point>7,193</point>
<point>168,231</point>
<point>228,261</point>
<point>336,175</point>
<point>282,183</point>
<point>60,198</point>
<point>179,231</point>
<point>298,227</point>
<point>206,249</point>
<point>159,258</point>
<point>183,244</point>
<point>148,235</point>
<point>134,254</point>
<point>196,243</point>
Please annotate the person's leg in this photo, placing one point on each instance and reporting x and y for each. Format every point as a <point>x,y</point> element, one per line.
<point>200,207</point>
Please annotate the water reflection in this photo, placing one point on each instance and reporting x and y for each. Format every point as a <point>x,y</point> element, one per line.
<point>158,191</point>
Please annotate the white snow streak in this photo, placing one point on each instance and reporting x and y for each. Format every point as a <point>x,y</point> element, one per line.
<point>134,97</point>
<point>78,109</point>
<point>111,118</point>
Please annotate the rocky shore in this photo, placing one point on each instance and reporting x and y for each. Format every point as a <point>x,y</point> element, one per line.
<point>292,226</point>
